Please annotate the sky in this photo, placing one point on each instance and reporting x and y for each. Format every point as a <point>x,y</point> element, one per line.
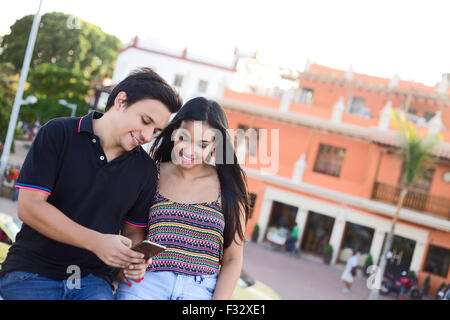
<point>380,38</point>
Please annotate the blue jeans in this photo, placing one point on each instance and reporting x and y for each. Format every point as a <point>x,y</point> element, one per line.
<point>167,285</point>
<point>20,285</point>
<point>291,244</point>
<point>15,195</point>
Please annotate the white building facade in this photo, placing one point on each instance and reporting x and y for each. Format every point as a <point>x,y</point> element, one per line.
<point>190,74</point>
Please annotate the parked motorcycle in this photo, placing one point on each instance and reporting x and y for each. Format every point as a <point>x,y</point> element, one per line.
<point>401,286</point>
<point>443,293</point>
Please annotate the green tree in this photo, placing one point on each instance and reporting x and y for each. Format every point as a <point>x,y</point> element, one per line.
<point>417,152</point>
<point>65,41</point>
<point>8,85</point>
<point>49,83</point>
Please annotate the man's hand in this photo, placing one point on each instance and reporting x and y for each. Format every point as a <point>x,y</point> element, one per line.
<point>114,250</point>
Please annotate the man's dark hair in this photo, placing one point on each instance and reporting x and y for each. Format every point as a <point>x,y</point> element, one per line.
<point>145,83</point>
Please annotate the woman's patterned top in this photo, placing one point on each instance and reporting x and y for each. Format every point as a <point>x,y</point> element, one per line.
<point>192,233</point>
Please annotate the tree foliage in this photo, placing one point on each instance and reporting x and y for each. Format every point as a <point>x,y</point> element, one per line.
<point>416,148</point>
<point>65,41</point>
<point>49,83</point>
<point>8,87</point>
<point>69,55</point>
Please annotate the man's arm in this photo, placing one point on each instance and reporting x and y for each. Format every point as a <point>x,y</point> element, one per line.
<point>37,213</point>
<point>135,228</point>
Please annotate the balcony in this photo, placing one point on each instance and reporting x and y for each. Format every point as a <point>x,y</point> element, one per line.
<point>415,200</point>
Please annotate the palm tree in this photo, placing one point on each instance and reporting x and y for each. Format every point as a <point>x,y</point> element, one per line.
<point>416,151</point>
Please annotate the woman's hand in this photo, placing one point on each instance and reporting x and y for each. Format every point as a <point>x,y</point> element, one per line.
<point>134,272</point>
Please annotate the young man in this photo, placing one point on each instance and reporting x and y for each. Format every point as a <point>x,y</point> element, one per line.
<point>82,179</point>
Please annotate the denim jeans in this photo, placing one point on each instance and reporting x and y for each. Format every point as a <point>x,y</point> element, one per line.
<point>167,285</point>
<point>20,285</point>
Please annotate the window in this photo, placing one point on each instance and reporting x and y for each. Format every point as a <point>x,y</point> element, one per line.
<point>358,238</point>
<point>305,96</point>
<point>402,250</point>
<point>317,233</point>
<point>282,215</point>
<point>437,261</point>
<point>247,137</point>
<point>277,93</point>
<point>202,86</point>
<point>412,115</point>
<point>178,81</point>
<point>357,106</point>
<point>252,199</point>
<point>428,115</point>
<point>329,160</point>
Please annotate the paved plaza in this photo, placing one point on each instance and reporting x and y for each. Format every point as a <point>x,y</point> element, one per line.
<point>303,278</point>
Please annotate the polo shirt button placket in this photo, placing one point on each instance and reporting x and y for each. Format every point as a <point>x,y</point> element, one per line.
<point>102,158</point>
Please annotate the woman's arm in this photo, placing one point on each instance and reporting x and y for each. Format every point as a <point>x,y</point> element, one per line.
<point>229,272</point>
<point>231,268</point>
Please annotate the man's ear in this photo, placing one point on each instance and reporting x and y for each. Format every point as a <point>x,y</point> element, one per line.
<point>120,100</point>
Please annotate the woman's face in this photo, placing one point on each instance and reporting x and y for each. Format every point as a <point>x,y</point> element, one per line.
<point>194,144</point>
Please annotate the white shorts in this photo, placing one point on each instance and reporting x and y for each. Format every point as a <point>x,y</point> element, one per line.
<point>167,285</point>
<point>347,277</point>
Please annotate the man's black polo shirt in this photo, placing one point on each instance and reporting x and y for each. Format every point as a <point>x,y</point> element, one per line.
<point>67,162</point>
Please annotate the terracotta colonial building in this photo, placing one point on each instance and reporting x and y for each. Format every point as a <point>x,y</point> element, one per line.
<point>329,162</point>
<point>328,159</point>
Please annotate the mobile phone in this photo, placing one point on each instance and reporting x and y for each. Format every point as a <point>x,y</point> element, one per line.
<point>149,248</point>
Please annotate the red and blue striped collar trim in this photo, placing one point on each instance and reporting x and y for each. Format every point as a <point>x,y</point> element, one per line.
<point>85,122</point>
<point>79,124</point>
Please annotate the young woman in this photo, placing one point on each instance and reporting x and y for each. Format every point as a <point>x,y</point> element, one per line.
<point>199,212</point>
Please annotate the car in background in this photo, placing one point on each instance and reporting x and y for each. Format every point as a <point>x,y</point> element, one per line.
<point>249,289</point>
<point>8,232</point>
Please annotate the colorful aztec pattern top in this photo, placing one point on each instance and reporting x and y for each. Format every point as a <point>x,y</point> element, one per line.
<point>192,233</point>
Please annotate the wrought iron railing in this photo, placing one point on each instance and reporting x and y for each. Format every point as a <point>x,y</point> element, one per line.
<point>415,200</point>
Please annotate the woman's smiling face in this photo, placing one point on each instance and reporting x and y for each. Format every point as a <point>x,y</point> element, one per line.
<point>193,143</point>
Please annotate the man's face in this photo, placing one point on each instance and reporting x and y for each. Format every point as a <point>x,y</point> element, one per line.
<point>140,121</point>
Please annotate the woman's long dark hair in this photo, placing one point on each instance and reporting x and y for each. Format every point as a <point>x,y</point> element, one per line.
<point>233,180</point>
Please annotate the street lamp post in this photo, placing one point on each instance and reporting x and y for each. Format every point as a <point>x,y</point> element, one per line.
<point>68,105</point>
<point>18,99</point>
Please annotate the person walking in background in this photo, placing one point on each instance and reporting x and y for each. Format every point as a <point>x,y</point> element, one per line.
<point>14,175</point>
<point>200,210</point>
<point>293,239</point>
<point>350,271</point>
